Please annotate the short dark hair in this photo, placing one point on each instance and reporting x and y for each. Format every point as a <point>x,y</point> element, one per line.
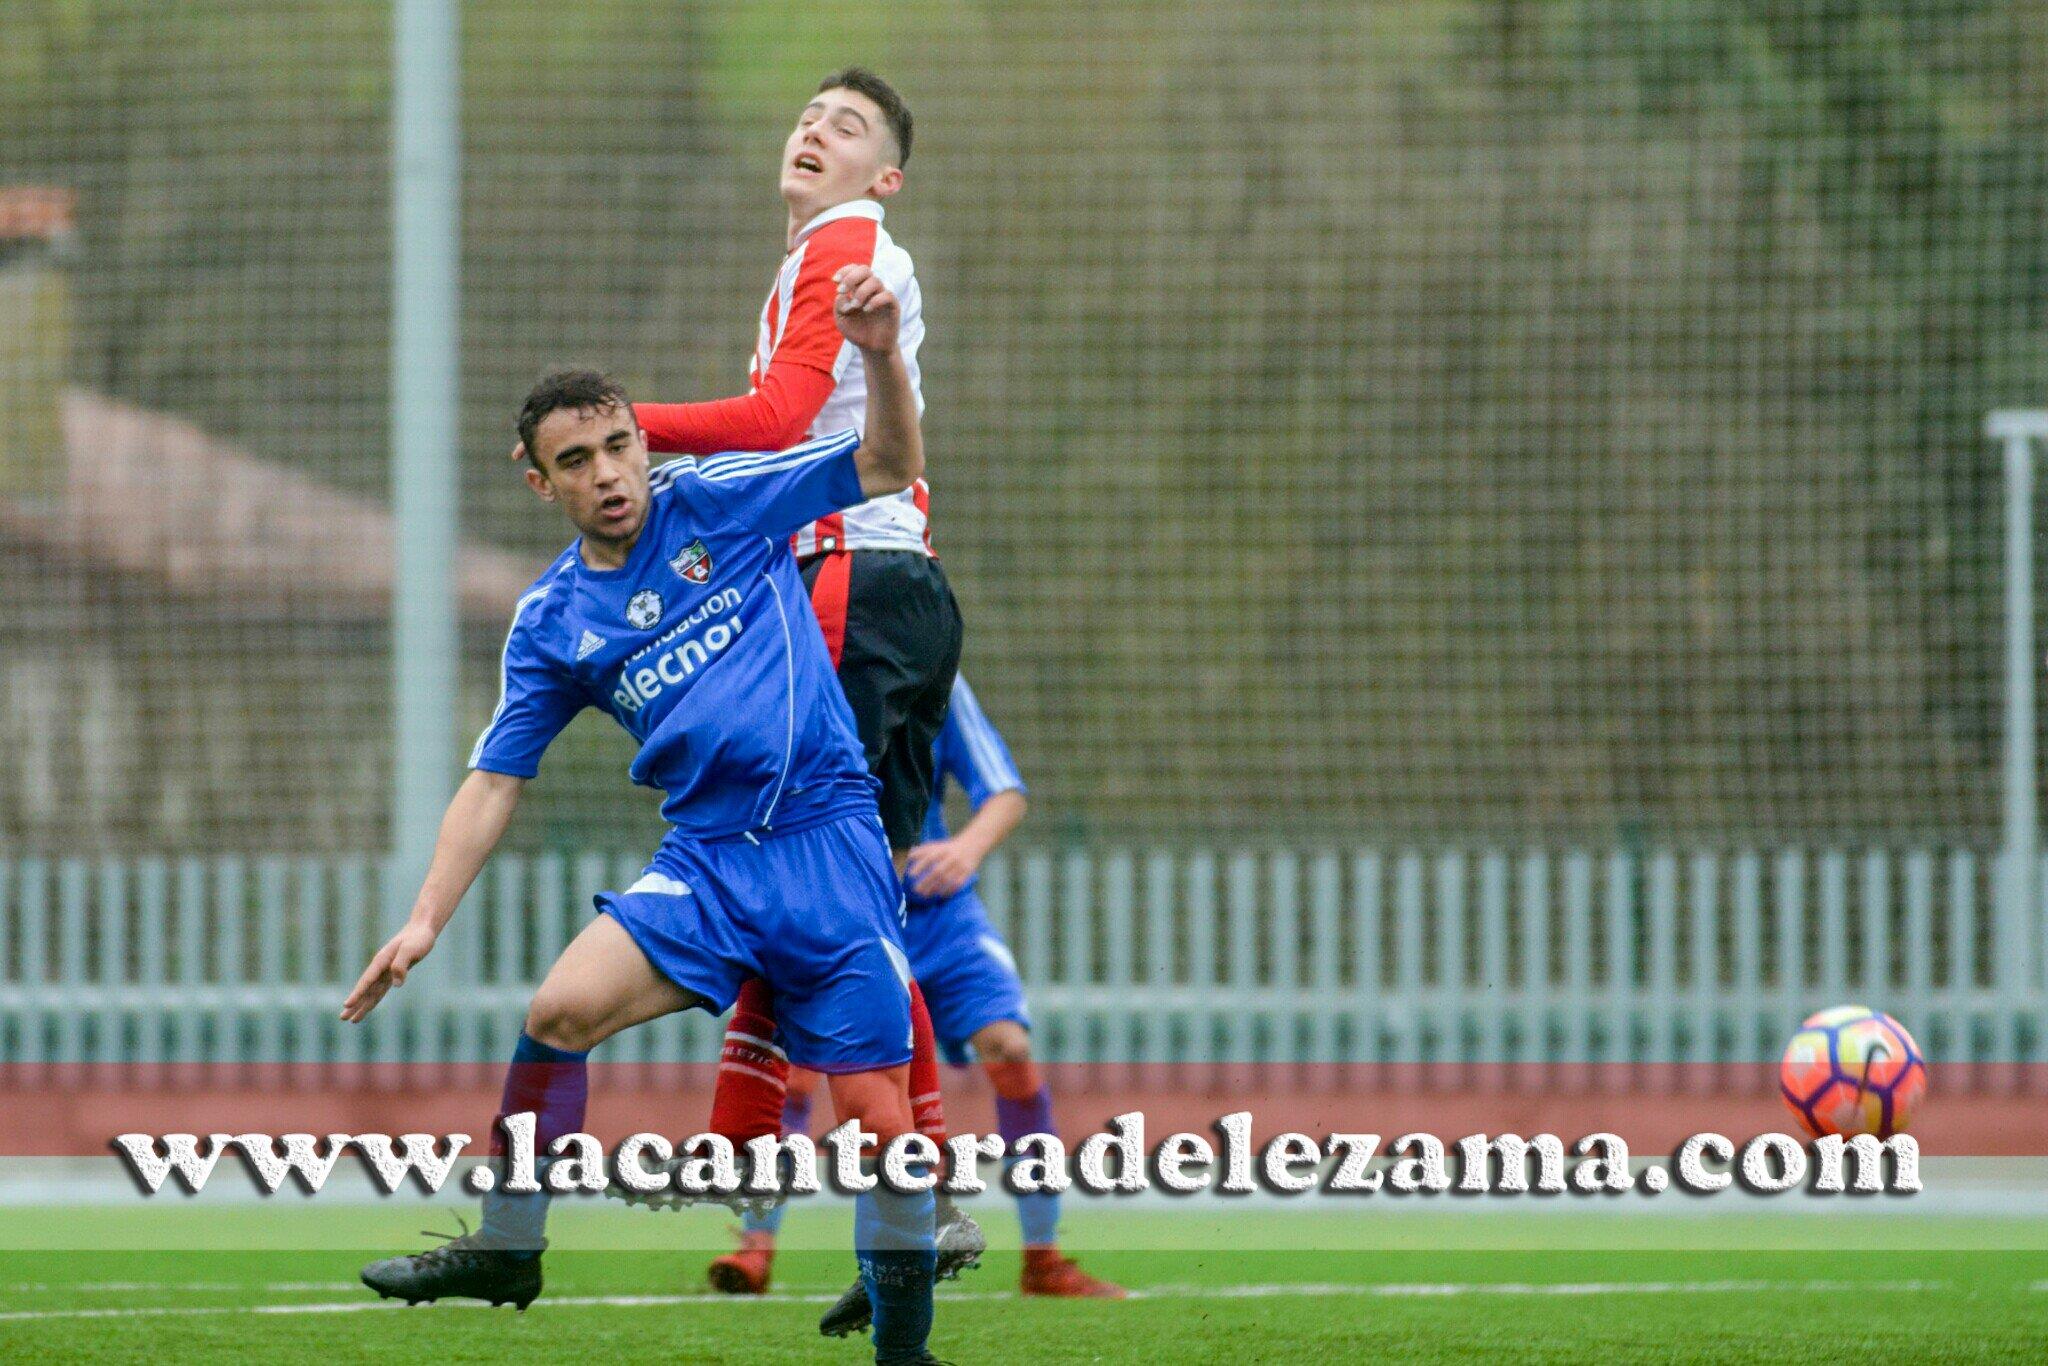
<point>895,112</point>
<point>585,391</point>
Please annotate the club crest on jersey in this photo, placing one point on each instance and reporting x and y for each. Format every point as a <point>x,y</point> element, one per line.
<point>693,562</point>
<point>643,609</point>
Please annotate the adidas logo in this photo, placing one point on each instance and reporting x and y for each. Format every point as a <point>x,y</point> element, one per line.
<point>591,643</point>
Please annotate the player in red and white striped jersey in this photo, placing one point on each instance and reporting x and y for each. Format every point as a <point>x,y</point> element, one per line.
<point>804,378</point>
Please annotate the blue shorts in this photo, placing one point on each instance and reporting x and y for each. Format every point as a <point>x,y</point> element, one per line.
<point>966,971</point>
<point>813,912</point>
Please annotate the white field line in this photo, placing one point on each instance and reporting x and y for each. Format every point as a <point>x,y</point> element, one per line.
<point>1160,1292</point>
<point>188,1287</point>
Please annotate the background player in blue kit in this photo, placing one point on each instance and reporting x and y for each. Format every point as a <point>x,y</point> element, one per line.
<point>679,611</point>
<point>971,985</point>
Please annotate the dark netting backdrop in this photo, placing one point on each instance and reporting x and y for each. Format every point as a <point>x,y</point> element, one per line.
<point>1502,421</point>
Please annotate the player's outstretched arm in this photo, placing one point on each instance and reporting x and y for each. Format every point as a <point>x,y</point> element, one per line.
<point>891,454</point>
<point>476,819</point>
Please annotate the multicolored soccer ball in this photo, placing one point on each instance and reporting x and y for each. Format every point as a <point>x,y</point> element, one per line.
<point>1852,1070</point>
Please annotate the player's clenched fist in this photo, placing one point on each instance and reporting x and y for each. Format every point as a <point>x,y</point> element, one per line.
<point>867,312</point>
<point>940,868</point>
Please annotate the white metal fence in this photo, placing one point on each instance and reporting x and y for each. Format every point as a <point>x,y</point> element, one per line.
<point>1449,956</point>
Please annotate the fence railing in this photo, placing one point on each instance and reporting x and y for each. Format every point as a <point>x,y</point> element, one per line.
<point>1309,956</point>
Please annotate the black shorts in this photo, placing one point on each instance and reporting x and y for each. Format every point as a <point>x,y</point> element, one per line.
<point>894,631</point>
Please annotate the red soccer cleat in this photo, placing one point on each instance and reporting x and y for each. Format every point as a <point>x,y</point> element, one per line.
<point>1048,1273</point>
<point>744,1272</point>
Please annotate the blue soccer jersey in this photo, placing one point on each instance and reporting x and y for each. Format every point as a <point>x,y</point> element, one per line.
<point>703,646</point>
<point>969,751</point>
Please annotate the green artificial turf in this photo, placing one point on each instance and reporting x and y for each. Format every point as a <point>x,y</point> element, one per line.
<point>277,1284</point>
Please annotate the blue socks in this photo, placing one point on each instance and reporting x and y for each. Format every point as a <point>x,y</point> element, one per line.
<point>771,1222</point>
<point>892,1238</point>
<point>1039,1213</point>
<point>554,1084</point>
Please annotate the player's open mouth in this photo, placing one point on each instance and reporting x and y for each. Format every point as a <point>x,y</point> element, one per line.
<point>615,506</point>
<point>806,162</point>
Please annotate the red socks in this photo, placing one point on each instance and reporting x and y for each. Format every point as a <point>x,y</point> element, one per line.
<point>746,1102</point>
<point>753,1075</point>
<point>927,1110</point>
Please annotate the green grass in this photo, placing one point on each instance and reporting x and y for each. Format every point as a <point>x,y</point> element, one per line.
<point>1254,1285</point>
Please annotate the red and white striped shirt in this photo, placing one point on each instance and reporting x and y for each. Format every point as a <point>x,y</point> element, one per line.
<point>806,379</point>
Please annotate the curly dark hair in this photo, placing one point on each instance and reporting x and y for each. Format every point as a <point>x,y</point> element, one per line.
<point>585,391</point>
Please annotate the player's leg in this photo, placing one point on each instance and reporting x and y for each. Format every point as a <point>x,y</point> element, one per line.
<point>977,999</point>
<point>927,1106</point>
<point>835,958</point>
<point>753,1077</point>
<point>601,984</point>
<point>894,1232</point>
<point>960,1239</point>
<point>748,1270</point>
<point>933,945</point>
<point>1024,1106</point>
<point>748,1096</point>
<point>902,650</point>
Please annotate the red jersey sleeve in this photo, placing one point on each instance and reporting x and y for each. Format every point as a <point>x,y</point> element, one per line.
<point>773,416</point>
<point>802,370</point>
<point>810,336</point>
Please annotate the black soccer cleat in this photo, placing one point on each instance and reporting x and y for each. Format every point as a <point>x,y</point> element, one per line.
<point>960,1243</point>
<point>850,1313</point>
<point>464,1267</point>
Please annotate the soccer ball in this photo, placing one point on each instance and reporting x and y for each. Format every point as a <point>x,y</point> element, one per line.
<point>1852,1070</point>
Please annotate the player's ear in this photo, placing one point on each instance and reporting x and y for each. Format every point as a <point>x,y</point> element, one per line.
<point>538,482</point>
<point>887,182</point>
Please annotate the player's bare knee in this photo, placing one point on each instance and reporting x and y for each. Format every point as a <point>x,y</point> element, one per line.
<point>558,1020</point>
<point>885,1113</point>
<point>1004,1042</point>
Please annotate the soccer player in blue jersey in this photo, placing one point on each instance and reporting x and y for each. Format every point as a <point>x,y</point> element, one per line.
<point>976,998</point>
<point>680,612</point>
